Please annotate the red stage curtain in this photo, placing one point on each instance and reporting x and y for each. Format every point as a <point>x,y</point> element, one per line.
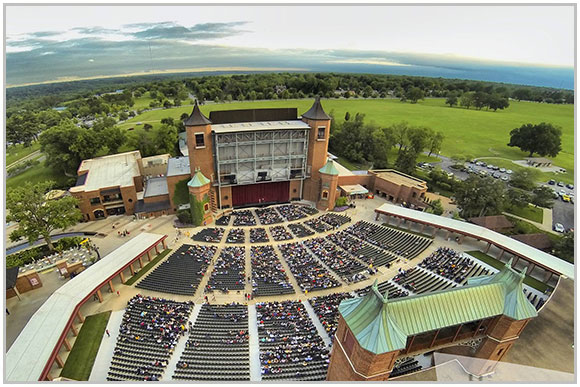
<point>244,195</point>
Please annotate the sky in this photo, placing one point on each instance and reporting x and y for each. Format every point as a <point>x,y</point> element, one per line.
<point>377,36</point>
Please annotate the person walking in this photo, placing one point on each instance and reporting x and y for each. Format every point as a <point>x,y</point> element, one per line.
<point>107,332</point>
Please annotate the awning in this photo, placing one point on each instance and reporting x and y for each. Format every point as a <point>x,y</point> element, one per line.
<point>356,189</point>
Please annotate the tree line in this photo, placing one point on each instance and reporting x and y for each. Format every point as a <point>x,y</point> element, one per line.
<point>362,142</point>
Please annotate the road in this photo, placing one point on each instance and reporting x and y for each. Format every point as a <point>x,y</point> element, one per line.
<point>563,213</point>
<point>29,157</point>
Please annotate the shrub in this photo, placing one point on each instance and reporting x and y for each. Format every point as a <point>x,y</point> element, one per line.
<point>184,216</point>
<point>341,201</point>
<point>22,258</point>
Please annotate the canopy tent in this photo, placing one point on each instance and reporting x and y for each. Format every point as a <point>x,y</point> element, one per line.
<point>356,189</point>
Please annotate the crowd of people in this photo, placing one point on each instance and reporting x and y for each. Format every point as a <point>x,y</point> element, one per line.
<point>268,275</point>
<point>318,225</point>
<point>259,235</point>
<point>224,220</point>
<point>448,263</point>
<point>340,261</point>
<point>244,218</point>
<point>326,308</point>
<point>309,273</point>
<point>335,220</point>
<point>152,326</point>
<point>236,235</point>
<point>289,342</point>
<point>279,233</point>
<point>210,234</point>
<point>269,215</point>
<point>291,212</point>
<point>229,271</point>
<point>299,230</point>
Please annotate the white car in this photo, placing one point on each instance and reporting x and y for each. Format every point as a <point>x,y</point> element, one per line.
<point>509,171</point>
<point>559,228</point>
<point>505,178</point>
<point>502,170</point>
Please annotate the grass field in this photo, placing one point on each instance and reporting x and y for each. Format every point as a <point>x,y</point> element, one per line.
<point>542,287</point>
<point>16,152</point>
<point>37,174</point>
<point>147,267</point>
<point>80,361</point>
<point>535,214</point>
<point>473,133</point>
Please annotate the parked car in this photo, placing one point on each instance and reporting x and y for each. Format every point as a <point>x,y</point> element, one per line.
<point>509,171</point>
<point>562,192</point>
<point>558,227</point>
<point>505,178</point>
<point>495,175</point>
<point>502,170</point>
<point>483,173</point>
<point>566,198</point>
<point>552,182</point>
<point>560,184</point>
<point>489,166</point>
<point>495,168</point>
<point>570,186</point>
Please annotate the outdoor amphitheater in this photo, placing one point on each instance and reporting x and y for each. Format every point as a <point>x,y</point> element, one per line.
<point>291,293</point>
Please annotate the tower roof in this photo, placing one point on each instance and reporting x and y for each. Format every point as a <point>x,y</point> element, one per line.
<point>196,118</point>
<point>316,112</point>
<point>198,180</point>
<point>381,325</point>
<point>329,168</point>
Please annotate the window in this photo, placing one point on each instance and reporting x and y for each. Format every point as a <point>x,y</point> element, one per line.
<point>130,200</point>
<point>199,140</point>
<point>226,197</point>
<point>321,132</point>
<point>500,352</point>
<point>294,190</point>
<point>95,201</point>
<point>325,194</point>
<point>206,207</point>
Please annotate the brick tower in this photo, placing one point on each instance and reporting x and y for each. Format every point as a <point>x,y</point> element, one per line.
<point>328,185</point>
<point>319,123</point>
<point>199,199</point>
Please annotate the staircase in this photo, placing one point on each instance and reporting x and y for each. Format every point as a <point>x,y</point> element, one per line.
<point>213,201</point>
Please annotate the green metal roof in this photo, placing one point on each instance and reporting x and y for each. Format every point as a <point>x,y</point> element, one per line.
<point>382,325</point>
<point>329,168</point>
<point>371,323</point>
<point>198,180</point>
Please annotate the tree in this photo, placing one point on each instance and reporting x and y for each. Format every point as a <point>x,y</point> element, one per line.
<point>114,138</point>
<point>123,116</point>
<point>467,99</point>
<point>543,197</point>
<point>565,247</point>
<point>544,139</point>
<point>406,161</point>
<point>400,134</point>
<point>166,138</point>
<point>518,197</point>
<point>415,94</point>
<point>435,142</point>
<point>436,207</point>
<point>480,99</point>
<point>418,139</point>
<point>451,99</point>
<point>477,196</point>
<point>522,179</point>
<point>496,101</point>
<point>37,217</point>
<point>66,145</point>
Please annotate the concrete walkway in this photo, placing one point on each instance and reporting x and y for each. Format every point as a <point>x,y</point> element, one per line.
<point>321,331</point>
<point>546,224</point>
<point>105,354</point>
<point>179,348</point>
<point>255,367</point>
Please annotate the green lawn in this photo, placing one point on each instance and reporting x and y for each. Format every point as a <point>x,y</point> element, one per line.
<point>351,165</point>
<point>542,287</point>
<point>147,267</point>
<point>37,174</point>
<point>80,360</point>
<point>474,133</point>
<point>16,152</point>
<point>535,214</point>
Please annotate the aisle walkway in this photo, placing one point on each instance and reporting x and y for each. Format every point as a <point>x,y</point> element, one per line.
<point>174,359</point>
<point>316,321</point>
<point>255,368</point>
<point>105,354</point>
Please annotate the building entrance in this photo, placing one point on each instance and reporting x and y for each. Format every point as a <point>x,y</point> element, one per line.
<point>259,194</point>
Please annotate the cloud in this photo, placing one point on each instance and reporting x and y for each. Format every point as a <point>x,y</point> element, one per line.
<point>204,31</point>
<point>149,25</point>
<point>95,30</point>
<point>43,34</point>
